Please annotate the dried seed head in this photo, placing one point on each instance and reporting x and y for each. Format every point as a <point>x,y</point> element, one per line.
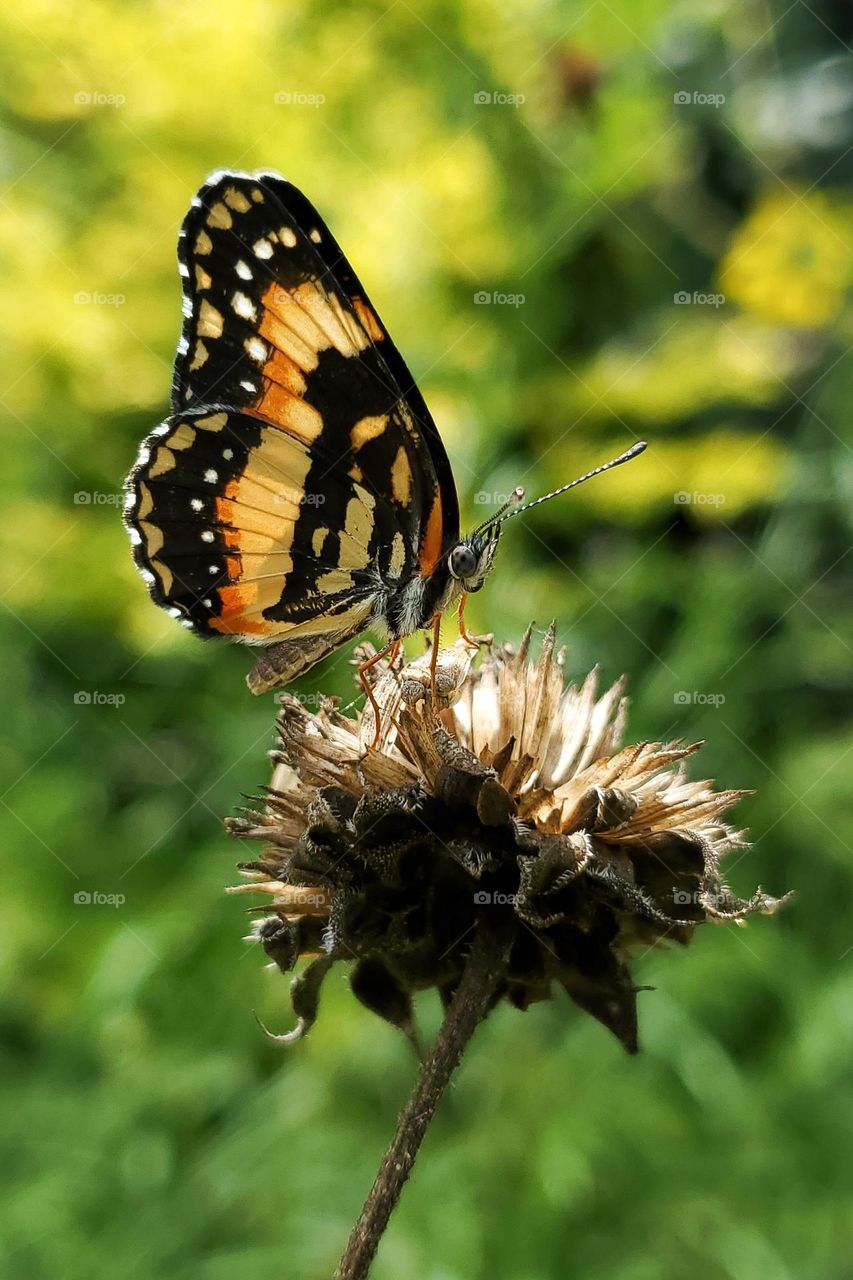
<point>506,803</point>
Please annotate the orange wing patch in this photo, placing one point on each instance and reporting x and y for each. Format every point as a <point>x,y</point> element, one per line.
<point>368,320</point>
<point>257,514</point>
<point>429,552</point>
<point>296,325</point>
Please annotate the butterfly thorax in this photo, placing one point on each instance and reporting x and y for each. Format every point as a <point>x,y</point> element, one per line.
<point>410,606</point>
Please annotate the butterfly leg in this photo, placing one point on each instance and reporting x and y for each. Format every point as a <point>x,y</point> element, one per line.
<point>393,648</point>
<point>433,658</point>
<point>463,630</point>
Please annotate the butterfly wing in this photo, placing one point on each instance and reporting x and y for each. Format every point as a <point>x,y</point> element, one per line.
<point>214,506</point>
<point>301,468</point>
<point>267,288</point>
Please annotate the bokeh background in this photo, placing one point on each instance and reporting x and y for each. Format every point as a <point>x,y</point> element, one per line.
<point>583,224</point>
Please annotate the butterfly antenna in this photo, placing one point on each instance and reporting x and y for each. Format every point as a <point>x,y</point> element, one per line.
<point>504,514</point>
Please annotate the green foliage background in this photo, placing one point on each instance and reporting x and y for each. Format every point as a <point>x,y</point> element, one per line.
<point>148,1130</point>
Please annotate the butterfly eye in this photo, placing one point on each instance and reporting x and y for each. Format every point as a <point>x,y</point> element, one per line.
<point>463,562</point>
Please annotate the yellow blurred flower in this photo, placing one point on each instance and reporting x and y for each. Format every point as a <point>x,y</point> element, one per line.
<point>790,261</point>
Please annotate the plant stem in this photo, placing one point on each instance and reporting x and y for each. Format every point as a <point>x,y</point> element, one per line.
<point>469,1005</point>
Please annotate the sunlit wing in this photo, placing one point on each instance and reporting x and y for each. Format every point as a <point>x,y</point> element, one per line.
<point>301,467</point>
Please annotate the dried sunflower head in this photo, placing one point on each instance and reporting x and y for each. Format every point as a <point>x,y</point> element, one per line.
<point>504,803</point>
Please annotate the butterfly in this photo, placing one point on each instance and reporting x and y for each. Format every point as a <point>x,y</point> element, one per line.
<point>299,493</point>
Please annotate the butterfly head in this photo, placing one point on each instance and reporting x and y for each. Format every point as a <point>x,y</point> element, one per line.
<point>469,562</point>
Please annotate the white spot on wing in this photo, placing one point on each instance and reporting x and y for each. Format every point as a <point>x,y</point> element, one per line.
<point>196,504</point>
<point>206,535</point>
<point>244,271</point>
<point>256,349</point>
<point>243,306</point>
<point>211,476</point>
<point>262,248</point>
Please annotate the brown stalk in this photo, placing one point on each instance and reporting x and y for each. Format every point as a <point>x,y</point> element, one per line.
<point>469,1005</point>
